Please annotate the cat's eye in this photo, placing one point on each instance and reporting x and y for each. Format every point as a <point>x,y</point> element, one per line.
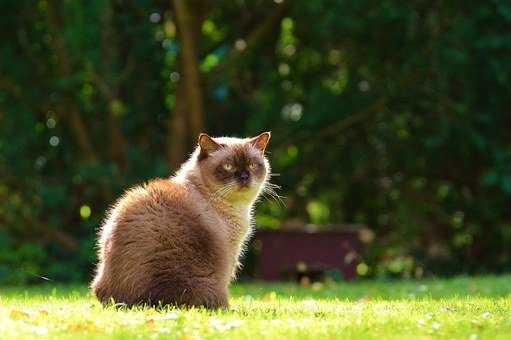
<point>252,166</point>
<point>228,166</point>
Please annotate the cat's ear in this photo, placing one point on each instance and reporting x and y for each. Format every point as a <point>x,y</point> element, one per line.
<point>207,144</point>
<point>261,141</point>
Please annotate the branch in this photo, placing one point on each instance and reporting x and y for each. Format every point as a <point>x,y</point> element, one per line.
<point>129,67</point>
<point>16,92</point>
<point>62,238</point>
<point>253,39</point>
<point>10,87</point>
<point>351,120</point>
<point>26,46</point>
<point>100,83</point>
<point>338,127</point>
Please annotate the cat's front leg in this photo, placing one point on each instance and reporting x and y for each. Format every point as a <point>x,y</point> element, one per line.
<point>234,270</point>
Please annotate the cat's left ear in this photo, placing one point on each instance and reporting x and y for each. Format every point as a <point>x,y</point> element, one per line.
<point>260,142</point>
<point>207,145</point>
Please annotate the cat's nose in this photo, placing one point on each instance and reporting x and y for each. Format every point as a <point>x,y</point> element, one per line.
<point>244,175</point>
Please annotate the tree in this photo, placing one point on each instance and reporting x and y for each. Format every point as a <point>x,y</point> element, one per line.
<point>387,114</point>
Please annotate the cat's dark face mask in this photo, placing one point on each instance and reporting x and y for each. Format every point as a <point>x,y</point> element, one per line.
<point>242,169</point>
<point>235,168</point>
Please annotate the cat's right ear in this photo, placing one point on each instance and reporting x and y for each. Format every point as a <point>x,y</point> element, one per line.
<point>207,145</point>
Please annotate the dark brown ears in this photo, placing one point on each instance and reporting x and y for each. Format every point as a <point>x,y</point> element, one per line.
<point>260,142</point>
<point>207,144</point>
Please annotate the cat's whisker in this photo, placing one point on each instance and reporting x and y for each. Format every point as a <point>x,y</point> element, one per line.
<point>224,188</point>
<point>278,197</point>
<point>273,186</point>
<point>271,198</point>
<point>227,191</point>
<point>270,193</point>
<point>222,192</point>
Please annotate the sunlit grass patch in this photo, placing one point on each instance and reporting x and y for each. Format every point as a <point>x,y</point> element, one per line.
<point>461,308</point>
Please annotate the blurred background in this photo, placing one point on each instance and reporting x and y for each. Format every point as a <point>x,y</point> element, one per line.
<point>389,117</point>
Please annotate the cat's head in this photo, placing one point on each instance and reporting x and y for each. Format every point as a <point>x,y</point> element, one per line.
<point>234,168</point>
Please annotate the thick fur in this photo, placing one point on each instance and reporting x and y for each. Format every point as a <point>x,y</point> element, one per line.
<point>177,241</point>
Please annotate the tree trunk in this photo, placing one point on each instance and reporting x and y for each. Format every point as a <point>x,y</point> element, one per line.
<point>118,142</point>
<point>178,137</point>
<point>111,84</point>
<point>69,110</point>
<point>190,74</point>
<point>79,130</point>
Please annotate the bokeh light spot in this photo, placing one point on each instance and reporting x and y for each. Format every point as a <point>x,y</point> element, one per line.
<point>54,141</point>
<point>85,211</point>
<point>51,123</point>
<point>284,69</point>
<point>292,112</point>
<point>155,17</point>
<point>240,44</point>
<point>362,269</point>
<point>174,77</point>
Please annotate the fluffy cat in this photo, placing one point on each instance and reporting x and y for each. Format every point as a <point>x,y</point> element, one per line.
<point>177,241</point>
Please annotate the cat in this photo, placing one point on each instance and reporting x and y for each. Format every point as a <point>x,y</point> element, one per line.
<point>178,241</point>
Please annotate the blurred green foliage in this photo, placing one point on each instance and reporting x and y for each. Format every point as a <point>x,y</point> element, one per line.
<point>391,114</point>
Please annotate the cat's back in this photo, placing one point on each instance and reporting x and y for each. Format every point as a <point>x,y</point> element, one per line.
<point>156,237</point>
<point>154,194</point>
<point>144,206</point>
<point>158,212</point>
<point>144,217</point>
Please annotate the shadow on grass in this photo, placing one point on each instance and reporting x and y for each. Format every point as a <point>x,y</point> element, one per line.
<point>481,286</point>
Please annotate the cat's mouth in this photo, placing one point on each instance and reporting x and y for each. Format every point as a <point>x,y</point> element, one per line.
<point>244,186</point>
<point>240,188</point>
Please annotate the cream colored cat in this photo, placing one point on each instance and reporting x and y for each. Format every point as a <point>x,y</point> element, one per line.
<point>178,240</point>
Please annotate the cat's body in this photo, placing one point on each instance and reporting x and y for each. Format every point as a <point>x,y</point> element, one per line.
<point>178,241</point>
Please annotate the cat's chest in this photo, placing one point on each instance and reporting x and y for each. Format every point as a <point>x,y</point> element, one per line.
<point>238,228</point>
<point>230,222</point>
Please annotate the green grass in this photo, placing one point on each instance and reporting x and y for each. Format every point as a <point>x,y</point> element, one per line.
<point>460,308</point>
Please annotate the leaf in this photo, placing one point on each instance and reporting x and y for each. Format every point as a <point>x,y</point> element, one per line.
<point>87,326</point>
<point>505,184</point>
<point>150,323</point>
<point>490,178</point>
<point>19,315</point>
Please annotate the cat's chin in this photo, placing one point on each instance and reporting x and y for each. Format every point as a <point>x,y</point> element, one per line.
<point>244,194</point>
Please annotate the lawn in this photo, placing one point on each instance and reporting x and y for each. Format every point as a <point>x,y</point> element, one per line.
<point>460,308</point>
